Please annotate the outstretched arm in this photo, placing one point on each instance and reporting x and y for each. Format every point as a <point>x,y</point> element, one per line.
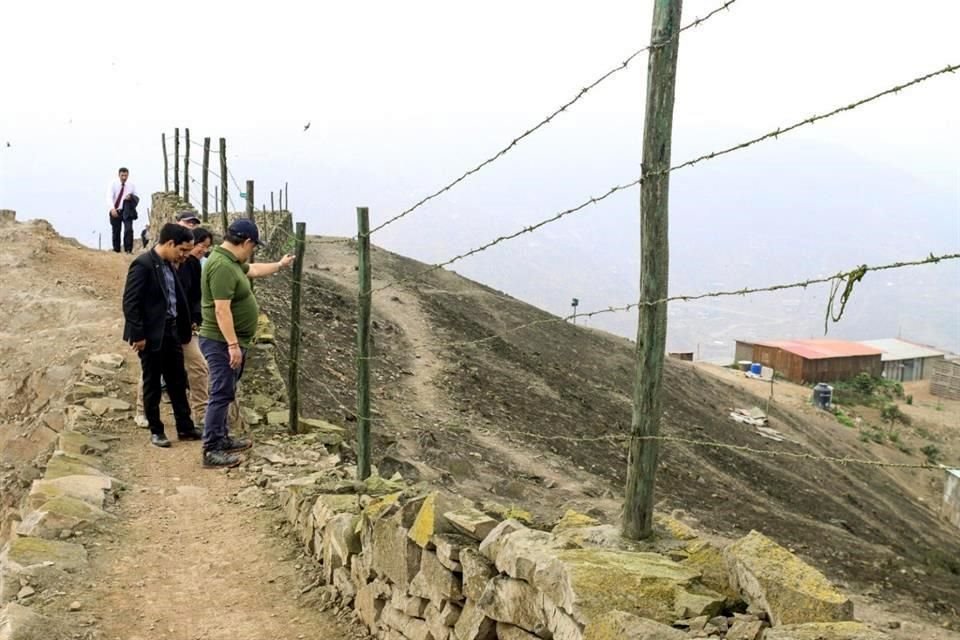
<point>261,269</point>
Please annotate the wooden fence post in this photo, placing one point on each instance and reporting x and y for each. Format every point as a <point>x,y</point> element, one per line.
<point>293,378</point>
<point>363,344</point>
<point>286,196</point>
<point>166,163</point>
<point>176,161</point>
<point>216,199</point>
<point>224,194</point>
<point>271,203</point>
<point>186,169</point>
<point>204,215</point>
<point>251,210</point>
<point>654,270</point>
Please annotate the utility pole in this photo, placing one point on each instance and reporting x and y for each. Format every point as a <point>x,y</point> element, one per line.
<point>186,169</point>
<point>654,269</point>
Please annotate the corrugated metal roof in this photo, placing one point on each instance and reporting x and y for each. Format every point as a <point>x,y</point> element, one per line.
<point>896,349</point>
<point>954,472</point>
<point>822,349</point>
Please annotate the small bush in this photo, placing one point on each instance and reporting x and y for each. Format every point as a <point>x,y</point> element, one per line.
<point>891,413</point>
<point>844,419</point>
<point>894,437</point>
<point>932,452</point>
<point>909,399</point>
<point>872,435</point>
<point>905,449</point>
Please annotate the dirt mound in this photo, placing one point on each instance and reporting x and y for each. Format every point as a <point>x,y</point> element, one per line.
<point>487,416</point>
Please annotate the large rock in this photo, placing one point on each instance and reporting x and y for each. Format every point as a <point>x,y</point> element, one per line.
<point>434,581</point>
<point>473,624</point>
<point>825,631</point>
<point>706,558</point>
<point>325,508</point>
<point>574,520</point>
<point>448,547</point>
<point>410,627</point>
<point>477,571</point>
<point>370,601</point>
<point>588,582</point>
<point>514,602</point>
<point>41,562</point>
<point>774,580</point>
<point>472,522</point>
<point>62,513</point>
<point>619,625</point>
<point>394,554</point>
<point>91,489</point>
<point>102,406</point>
<point>693,603</point>
<point>79,444</point>
<point>80,391</point>
<point>106,360</point>
<point>62,465</point>
<point>21,623</point>
<point>340,543</point>
<point>414,606</point>
<point>430,520</point>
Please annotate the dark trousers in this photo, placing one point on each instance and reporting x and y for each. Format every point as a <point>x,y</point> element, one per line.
<point>116,224</point>
<point>167,361</point>
<point>222,390</point>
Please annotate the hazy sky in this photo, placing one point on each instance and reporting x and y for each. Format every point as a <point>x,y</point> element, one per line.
<point>404,96</point>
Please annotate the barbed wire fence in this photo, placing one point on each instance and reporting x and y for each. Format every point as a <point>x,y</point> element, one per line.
<point>841,285</point>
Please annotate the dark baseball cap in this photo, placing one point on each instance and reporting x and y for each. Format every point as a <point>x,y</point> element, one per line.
<point>183,216</point>
<point>246,229</point>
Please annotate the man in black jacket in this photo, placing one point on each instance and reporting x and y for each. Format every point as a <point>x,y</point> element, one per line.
<point>157,323</point>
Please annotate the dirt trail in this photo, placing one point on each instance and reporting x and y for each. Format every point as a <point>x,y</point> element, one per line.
<point>188,563</point>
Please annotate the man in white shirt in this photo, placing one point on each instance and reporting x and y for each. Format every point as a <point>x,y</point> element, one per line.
<point>123,199</point>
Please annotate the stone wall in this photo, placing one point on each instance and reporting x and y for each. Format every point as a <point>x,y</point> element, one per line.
<point>68,500</point>
<point>275,227</point>
<point>417,563</point>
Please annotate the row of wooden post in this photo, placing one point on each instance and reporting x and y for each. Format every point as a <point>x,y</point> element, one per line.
<point>284,194</point>
<point>652,322</point>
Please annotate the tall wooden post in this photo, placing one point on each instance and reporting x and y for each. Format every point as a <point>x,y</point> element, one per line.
<point>224,194</point>
<point>286,196</point>
<point>654,262</point>
<point>251,209</point>
<point>166,163</point>
<point>186,169</point>
<point>176,161</point>
<point>293,378</point>
<point>280,198</point>
<point>363,344</point>
<point>271,203</point>
<point>205,204</point>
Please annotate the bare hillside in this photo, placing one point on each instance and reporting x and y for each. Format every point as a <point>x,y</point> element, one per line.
<point>523,419</point>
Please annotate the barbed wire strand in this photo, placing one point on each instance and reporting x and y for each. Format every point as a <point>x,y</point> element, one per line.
<point>547,120</point>
<point>803,284</point>
<point>709,156</point>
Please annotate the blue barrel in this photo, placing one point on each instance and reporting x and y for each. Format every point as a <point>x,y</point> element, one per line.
<point>756,368</point>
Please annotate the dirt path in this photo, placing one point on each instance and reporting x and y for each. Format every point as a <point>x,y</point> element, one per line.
<point>188,563</point>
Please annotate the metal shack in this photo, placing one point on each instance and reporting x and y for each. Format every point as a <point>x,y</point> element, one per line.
<point>807,361</point>
<point>905,361</point>
<point>951,497</point>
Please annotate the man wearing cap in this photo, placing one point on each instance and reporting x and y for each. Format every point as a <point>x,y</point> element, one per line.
<point>188,219</point>
<point>230,314</point>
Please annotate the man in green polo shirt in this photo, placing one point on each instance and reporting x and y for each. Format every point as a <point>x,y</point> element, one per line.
<point>230,314</point>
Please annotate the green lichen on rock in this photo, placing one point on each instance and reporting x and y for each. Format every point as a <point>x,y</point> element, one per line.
<point>792,592</point>
<point>574,520</point>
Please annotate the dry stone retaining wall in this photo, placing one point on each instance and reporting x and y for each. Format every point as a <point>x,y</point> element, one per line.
<point>66,502</point>
<point>416,564</point>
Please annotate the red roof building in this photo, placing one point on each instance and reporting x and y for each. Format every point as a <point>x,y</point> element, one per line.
<point>811,361</point>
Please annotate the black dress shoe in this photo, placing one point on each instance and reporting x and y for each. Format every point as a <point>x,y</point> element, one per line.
<point>159,440</point>
<point>193,434</point>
